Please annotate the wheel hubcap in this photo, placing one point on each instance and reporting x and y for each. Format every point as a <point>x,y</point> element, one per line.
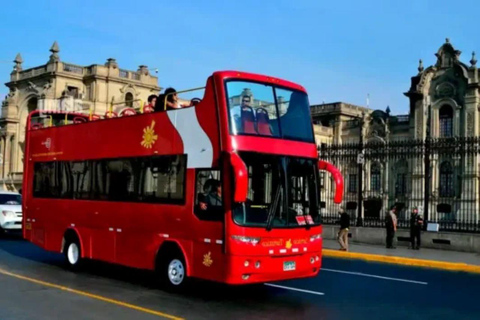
<point>176,272</point>
<point>73,253</point>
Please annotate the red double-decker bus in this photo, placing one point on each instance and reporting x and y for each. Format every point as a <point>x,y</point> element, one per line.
<point>224,190</point>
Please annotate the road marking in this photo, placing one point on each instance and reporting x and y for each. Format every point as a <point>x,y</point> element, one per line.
<point>90,295</point>
<point>295,289</point>
<point>375,276</point>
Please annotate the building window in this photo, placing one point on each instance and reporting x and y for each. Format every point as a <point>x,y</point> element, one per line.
<point>352,183</point>
<point>129,99</point>
<point>446,121</point>
<point>446,179</point>
<point>401,169</point>
<point>401,186</point>
<point>375,177</point>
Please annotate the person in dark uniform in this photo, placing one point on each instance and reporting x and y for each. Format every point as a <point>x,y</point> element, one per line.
<point>391,226</point>
<point>416,223</point>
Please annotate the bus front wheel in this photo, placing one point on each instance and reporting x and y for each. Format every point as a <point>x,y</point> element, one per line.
<point>72,252</point>
<point>172,271</point>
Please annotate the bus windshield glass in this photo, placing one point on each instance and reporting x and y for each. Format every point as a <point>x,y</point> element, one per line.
<point>265,110</point>
<point>268,204</point>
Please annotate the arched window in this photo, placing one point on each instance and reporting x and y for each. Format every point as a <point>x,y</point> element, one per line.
<point>129,99</point>
<point>446,179</point>
<point>446,121</point>
<point>375,177</point>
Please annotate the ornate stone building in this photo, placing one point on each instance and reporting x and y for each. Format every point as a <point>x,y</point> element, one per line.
<point>444,105</point>
<point>59,85</point>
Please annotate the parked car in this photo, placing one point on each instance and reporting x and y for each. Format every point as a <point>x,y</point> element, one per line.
<point>10,211</point>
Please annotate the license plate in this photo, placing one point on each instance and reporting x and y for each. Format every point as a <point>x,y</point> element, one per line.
<point>288,265</point>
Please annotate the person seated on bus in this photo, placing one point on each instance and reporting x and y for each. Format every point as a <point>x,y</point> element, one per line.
<point>152,100</point>
<point>173,102</point>
<point>213,199</point>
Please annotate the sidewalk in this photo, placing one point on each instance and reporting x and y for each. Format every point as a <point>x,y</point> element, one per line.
<point>440,259</point>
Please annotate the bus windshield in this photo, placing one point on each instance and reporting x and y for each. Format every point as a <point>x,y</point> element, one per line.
<point>268,204</point>
<point>266,110</point>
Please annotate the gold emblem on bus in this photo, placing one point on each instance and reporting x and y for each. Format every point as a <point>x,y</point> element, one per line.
<point>288,245</point>
<point>207,259</point>
<point>149,136</point>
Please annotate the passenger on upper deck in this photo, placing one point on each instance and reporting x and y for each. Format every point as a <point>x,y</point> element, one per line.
<point>152,100</point>
<point>173,102</point>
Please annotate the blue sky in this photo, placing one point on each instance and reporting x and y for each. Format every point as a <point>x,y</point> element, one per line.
<point>338,50</point>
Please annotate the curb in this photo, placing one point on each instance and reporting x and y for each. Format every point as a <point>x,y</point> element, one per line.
<point>451,266</point>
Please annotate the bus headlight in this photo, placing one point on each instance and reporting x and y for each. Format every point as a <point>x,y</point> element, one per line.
<point>315,237</point>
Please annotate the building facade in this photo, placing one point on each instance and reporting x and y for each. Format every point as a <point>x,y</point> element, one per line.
<point>428,158</point>
<point>59,85</point>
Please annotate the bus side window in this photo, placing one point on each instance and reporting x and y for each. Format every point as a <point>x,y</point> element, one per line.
<point>208,195</point>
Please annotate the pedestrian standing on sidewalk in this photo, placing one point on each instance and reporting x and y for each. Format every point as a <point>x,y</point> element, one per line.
<point>391,226</point>
<point>343,232</point>
<point>416,223</point>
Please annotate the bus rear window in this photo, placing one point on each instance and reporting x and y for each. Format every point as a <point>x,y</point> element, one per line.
<point>265,110</point>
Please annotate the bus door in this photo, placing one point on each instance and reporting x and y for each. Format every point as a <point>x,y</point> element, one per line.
<point>208,227</point>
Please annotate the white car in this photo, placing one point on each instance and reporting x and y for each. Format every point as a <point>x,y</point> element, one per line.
<point>10,211</point>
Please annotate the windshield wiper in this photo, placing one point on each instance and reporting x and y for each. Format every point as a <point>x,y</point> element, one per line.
<point>273,208</point>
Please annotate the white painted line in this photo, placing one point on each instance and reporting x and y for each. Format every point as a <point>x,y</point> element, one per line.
<point>295,289</point>
<point>375,276</point>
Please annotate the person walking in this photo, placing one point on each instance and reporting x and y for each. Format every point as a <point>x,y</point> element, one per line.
<point>343,232</point>
<point>391,226</point>
<point>416,223</point>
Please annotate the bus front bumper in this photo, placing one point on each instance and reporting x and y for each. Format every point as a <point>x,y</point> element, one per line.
<point>259,269</point>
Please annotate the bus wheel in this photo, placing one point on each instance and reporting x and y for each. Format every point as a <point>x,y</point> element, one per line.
<point>72,253</point>
<point>173,272</point>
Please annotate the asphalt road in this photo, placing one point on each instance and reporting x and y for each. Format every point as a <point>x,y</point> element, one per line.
<point>35,285</point>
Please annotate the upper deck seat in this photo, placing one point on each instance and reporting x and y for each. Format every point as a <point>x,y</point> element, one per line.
<point>110,114</point>
<point>128,112</point>
<point>79,120</point>
<point>148,109</point>
<point>248,120</point>
<point>263,122</point>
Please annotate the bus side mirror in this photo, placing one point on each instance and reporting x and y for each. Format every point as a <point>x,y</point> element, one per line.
<point>240,178</point>
<point>337,177</point>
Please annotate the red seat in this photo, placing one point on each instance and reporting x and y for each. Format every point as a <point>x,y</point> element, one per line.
<point>148,109</point>
<point>79,120</point>
<point>110,114</point>
<point>263,122</point>
<point>37,126</point>
<point>248,120</point>
<point>128,112</point>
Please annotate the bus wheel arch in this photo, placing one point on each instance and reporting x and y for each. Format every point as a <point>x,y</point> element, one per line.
<point>72,249</point>
<point>171,266</point>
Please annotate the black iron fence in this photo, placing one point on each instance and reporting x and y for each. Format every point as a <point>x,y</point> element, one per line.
<point>440,177</point>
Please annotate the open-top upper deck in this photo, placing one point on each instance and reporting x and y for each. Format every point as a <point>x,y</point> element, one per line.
<point>218,122</point>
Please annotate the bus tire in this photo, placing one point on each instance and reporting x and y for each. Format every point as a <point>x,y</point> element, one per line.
<point>72,252</point>
<point>171,270</point>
